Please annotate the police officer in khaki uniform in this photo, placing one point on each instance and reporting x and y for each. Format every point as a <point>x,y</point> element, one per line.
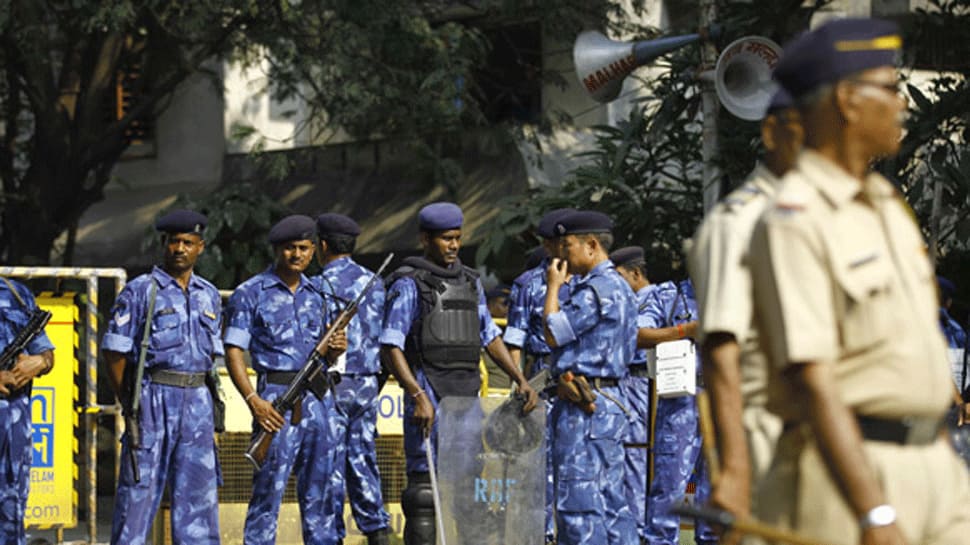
<point>734,366</point>
<point>846,306</point>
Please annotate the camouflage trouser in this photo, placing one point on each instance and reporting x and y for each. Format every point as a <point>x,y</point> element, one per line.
<point>591,504</point>
<point>306,450</point>
<point>177,447</point>
<point>637,391</point>
<point>15,460</point>
<point>355,454</point>
<point>677,448</point>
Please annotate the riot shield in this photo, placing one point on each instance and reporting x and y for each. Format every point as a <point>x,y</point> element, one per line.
<point>491,471</point>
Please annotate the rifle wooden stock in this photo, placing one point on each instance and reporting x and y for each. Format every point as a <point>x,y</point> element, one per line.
<point>316,364</point>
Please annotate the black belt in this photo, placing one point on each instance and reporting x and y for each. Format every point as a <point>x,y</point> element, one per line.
<point>905,431</point>
<point>602,382</point>
<point>176,378</point>
<point>280,377</point>
<point>640,371</point>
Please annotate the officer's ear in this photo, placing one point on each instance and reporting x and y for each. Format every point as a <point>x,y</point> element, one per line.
<point>424,237</point>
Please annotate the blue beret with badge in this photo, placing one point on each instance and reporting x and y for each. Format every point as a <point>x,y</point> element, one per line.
<point>295,227</point>
<point>181,221</point>
<point>781,100</point>
<point>336,224</point>
<point>440,216</point>
<point>547,224</point>
<point>836,49</point>
<point>579,222</point>
<point>627,255</point>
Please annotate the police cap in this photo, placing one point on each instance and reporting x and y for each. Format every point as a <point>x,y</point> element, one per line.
<point>625,256</point>
<point>440,216</point>
<point>295,227</point>
<point>181,221</point>
<point>547,224</point>
<point>837,49</point>
<point>580,222</point>
<point>336,224</point>
<point>947,288</point>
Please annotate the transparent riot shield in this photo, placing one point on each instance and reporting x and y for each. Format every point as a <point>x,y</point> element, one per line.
<point>491,471</point>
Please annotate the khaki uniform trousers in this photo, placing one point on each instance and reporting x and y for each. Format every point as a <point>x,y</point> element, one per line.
<point>762,430</point>
<point>927,485</point>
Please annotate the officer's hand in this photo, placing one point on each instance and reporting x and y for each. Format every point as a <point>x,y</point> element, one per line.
<point>423,413</point>
<point>733,495</point>
<point>265,414</point>
<point>556,273</point>
<point>530,395</point>
<point>6,382</point>
<point>337,345</point>
<point>26,368</point>
<point>883,535</point>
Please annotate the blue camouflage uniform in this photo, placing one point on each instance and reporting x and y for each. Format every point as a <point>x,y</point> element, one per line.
<point>401,311</point>
<point>280,329</point>
<point>636,388</point>
<point>177,432</point>
<point>956,340</point>
<point>677,443</point>
<point>16,438</point>
<point>595,332</point>
<point>355,420</point>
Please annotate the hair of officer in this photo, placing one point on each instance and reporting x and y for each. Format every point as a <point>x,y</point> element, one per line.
<point>605,239</point>
<point>812,99</point>
<point>340,244</point>
<point>636,265</point>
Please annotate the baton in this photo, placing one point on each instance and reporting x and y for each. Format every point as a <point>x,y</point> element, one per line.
<point>434,490</point>
<point>743,525</point>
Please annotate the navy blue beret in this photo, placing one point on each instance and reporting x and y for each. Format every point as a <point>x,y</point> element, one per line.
<point>580,222</point>
<point>547,225</point>
<point>181,221</point>
<point>837,49</point>
<point>781,100</point>
<point>295,227</point>
<point>500,290</point>
<point>440,216</point>
<point>626,255</point>
<point>947,288</point>
<point>535,257</point>
<point>336,224</point>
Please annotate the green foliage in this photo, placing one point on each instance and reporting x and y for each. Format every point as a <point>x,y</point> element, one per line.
<point>239,220</point>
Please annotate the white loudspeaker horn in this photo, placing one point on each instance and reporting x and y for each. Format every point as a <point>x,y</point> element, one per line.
<point>742,76</point>
<point>602,63</point>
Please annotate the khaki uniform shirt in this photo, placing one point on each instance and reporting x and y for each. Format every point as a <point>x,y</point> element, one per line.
<point>841,278</point>
<point>718,262</point>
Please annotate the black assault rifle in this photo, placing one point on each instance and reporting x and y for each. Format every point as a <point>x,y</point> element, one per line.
<point>312,376</point>
<point>35,325</point>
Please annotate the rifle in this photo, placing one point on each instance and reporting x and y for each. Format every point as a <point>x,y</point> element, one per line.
<point>312,376</point>
<point>35,325</point>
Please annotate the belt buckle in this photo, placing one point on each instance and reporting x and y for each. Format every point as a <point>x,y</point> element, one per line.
<point>919,430</point>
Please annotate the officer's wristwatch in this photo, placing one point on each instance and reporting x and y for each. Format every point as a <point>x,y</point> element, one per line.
<point>881,515</point>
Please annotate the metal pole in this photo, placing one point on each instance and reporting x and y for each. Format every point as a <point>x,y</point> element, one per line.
<point>91,419</point>
<point>709,107</point>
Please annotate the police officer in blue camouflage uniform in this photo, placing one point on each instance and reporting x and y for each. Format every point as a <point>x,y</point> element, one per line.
<point>632,267</point>
<point>176,418</point>
<point>671,314</point>
<point>592,334</point>
<point>956,336</point>
<point>356,396</point>
<point>279,315</point>
<point>435,325</point>
<point>16,437</point>
<point>525,331</point>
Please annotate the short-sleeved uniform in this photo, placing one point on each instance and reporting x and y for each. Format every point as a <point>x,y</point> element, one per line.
<point>719,268</point>
<point>280,328</point>
<point>841,278</point>
<point>526,330</point>
<point>177,433</point>
<point>636,389</point>
<point>402,310</point>
<point>595,333</point>
<point>16,437</point>
<point>677,441</point>
<point>356,397</point>
<point>956,341</point>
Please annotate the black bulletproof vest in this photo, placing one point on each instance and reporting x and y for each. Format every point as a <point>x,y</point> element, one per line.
<point>445,341</point>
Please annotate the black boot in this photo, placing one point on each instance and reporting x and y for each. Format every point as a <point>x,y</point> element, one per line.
<point>417,502</point>
<point>378,537</point>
